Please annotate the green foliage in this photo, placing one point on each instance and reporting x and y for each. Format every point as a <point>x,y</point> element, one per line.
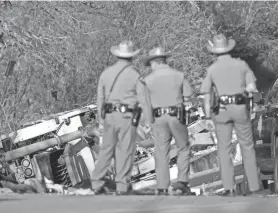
<point>60,48</point>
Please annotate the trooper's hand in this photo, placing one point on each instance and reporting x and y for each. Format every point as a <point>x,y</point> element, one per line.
<point>188,104</point>
<point>147,128</point>
<point>210,125</point>
<point>101,129</point>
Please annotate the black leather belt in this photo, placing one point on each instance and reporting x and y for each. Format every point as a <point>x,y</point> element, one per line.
<point>159,111</point>
<point>237,99</point>
<point>123,108</point>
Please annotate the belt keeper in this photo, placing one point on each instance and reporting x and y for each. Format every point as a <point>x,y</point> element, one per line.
<point>58,140</point>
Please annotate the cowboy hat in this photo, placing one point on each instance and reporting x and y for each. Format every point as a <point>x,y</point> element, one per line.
<point>157,52</point>
<point>124,50</point>
<point>220,44</point>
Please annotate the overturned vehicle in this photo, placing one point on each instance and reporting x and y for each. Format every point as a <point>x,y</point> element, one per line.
<point>57,150</point>
<point>60,152</point>
<point>265,131</point>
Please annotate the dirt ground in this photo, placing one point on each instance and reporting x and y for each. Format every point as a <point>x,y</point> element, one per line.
<point>129,204</point>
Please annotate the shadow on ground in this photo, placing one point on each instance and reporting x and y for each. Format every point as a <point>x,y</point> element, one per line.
<point>9,199</point>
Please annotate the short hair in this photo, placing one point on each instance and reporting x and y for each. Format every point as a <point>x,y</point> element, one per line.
<point>161,60</point>
<point>127,59</point>
<point>225,53</point>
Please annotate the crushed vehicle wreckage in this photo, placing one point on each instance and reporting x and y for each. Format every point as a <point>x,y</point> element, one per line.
<point>61,152</point>
<point>50,150</point>
<point>58,154</point>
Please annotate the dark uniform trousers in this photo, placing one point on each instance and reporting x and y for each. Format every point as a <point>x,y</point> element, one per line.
<point>164,128</point>
<point>237,117</point>
<point>118,142</point>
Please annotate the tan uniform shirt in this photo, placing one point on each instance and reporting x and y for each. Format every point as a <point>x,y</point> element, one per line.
<point>167,87</point>
<point>230,76</point>
<point>126,87</point>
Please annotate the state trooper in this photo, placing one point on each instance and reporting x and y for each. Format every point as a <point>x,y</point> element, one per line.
<point>167,90</point>
<point>233,80</point>
<point>118,112</point>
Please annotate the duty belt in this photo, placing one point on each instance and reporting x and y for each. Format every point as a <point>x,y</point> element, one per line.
<point>123,108</point>
<point>237,99</point>
<point>159,111</point>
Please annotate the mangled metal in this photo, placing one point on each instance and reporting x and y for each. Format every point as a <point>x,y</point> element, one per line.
<point>57,154</point>
<point>36,151</point>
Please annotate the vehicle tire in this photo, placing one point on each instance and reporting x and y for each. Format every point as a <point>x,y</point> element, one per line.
<point>274,144</point>
<point>269,127</point>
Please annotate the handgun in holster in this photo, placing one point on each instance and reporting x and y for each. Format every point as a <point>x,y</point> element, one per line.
<point>102,111</point>
<point>105,108</point>
<point>183,115</point>
<point>215,100</point>
<point>136,115</point>
<point>250,104</point>
<point>215,107</point>
<point>187,115</point>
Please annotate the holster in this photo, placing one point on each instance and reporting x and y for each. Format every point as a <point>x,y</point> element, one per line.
<point>215,100</point>
<point>215,107</point>
<point>102,111</point>
<point>183,115</point>
<point>106,108</point>
<point>250,104</point>
<point>136,115</point>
